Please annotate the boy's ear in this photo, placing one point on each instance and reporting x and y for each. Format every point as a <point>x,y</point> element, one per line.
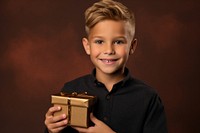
<point>86,45</point>
<point>133,46</point>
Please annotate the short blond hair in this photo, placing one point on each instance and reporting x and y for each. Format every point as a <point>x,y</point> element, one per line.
<point>108,10</point>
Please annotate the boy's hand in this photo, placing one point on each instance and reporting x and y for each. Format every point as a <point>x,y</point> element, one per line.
<point>99,127</point>
<point>55,123</point>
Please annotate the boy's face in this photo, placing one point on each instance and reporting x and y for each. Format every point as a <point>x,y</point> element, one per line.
<point>109,45</point>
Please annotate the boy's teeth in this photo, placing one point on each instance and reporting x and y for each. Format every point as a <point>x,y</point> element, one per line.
<point>107,61</point>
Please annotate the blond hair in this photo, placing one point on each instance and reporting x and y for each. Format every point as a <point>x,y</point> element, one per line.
<point>108,10</point>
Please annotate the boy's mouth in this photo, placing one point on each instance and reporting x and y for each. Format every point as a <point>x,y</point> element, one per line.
<point>108,61</point>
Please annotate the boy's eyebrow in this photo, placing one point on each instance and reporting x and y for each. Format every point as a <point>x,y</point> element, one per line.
<point>123,37</point>
<point>120,37</point>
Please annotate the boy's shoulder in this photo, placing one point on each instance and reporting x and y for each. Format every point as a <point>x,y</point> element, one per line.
<point>141,87</point>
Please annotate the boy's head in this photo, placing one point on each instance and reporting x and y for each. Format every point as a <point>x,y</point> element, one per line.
<point>110,27</point>
<point>109,10</point>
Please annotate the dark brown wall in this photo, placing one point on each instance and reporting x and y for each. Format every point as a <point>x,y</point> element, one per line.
<point>40,49</point>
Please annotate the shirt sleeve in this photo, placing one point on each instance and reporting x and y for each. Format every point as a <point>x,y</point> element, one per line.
<point>155,121</point>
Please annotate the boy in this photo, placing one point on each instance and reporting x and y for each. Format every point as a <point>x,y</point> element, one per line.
<point>125,104</point>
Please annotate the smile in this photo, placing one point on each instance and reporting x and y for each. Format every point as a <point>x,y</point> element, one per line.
<point>108,61</point>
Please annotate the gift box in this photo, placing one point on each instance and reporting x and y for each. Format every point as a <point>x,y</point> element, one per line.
<point>77,107</point>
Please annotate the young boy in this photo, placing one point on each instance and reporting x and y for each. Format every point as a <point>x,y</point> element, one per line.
<point>125,104</point>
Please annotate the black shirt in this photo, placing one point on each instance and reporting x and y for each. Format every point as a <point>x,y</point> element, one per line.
<point>130,107</point>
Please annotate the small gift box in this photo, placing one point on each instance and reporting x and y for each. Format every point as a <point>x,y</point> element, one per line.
<point>76,106</point>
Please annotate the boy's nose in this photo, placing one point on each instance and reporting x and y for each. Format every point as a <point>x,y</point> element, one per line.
<point>109,49</point>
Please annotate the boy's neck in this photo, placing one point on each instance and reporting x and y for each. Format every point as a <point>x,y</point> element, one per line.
<point>110,79</point>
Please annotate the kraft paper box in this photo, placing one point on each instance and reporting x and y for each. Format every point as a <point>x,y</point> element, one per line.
<point>77,107</point>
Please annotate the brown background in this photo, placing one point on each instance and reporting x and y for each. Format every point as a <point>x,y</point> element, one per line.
<point>41,49</point>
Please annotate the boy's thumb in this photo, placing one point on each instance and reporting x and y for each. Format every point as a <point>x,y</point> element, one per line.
<point>93,118</point>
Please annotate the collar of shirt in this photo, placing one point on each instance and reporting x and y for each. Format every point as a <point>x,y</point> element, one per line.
<point>119,84</point>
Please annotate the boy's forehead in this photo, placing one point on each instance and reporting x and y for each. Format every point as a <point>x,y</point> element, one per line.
<point>107,27</point>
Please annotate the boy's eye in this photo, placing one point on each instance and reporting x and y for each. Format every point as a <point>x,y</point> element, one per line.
<point>98,41</point>
<point>118,42</point>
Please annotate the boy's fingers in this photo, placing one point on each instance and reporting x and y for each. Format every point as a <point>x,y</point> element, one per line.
<point>93,119</point>
<point>62,123</point>
<point>57,118</point>
<point>51,110</point>
<point>57,127</point>
<point>52,119</point>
